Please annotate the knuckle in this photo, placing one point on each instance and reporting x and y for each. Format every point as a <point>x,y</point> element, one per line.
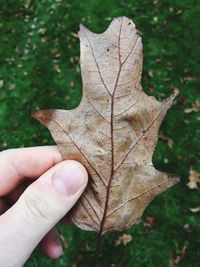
<point>35,207</point>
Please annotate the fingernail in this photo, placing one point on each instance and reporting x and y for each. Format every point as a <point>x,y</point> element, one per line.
<point>69,178</point>
<point>57,251</point>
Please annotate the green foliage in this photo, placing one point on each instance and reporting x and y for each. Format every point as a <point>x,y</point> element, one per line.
<point>39,58</point>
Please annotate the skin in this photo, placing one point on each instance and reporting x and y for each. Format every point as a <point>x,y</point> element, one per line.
<point>37,189</point>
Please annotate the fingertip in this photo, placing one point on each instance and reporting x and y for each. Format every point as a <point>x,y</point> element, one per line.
<point>70,179</point>
<point>55,251</point>
<point>25,163</point>
<point>50,245</point>
<point>78,169</point>
<point>52,250</point>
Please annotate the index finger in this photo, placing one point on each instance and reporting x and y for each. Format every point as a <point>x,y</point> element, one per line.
<point>16,165</point>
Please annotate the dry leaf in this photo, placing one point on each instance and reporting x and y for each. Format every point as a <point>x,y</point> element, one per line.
<point>77,262</point>
<point>170,142</point>
<point>64,241</point>
<point>1,83</point>
<point>150,73</point>
<point>176,259</point>
<point>190,78</point>
<point>176,90</point>
<point>195,210</point>
<point>149,222</point>
<point>151,90</point>
<point>195,107</point>
<point>113,132</point>
<point>57,55</point>
<point>123,240</point>
<point>193,179</point>
<point>71,85</point>
<point>57,68</point>
<point>188,228</point>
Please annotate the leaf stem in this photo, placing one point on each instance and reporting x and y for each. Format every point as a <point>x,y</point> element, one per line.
<point>98,245</point>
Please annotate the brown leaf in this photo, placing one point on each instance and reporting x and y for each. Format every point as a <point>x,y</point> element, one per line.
<point>170,142</point>
<point>57,68</point>
<point>176,90</point>
<point>113,132</point>
<point>193,179</point>
<point>123,240</point>
<point>57,55</point>
<point>150,73</point>
<point>188,228</point>
<point>77,261</point>
<point>150,222</point>
<point>177,258</point>
<point>64,241</point>
<point>71,85</point>
<point>151,90</point>
<point>195,107</point>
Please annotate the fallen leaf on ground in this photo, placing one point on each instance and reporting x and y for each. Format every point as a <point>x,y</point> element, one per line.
<point>71,85</point>
<point>190,78</point>
<point>64,241</point>
<point>113,132</point>
<point>177,258</point>
<point>123,240</point>
<point>176,90</point>
<point>151,90</point>
<point>188,228</point>
<point>1,83</point>
<point>150,222</point>
<point>57,68</point>
<point>169,141</point>
<point>150,73</point>
<point>195,107</point>
<point>77,261</point>
<point>193,179</point>
<point>194,210</point>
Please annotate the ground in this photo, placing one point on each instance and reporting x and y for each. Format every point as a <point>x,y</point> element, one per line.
<point>39,69</point>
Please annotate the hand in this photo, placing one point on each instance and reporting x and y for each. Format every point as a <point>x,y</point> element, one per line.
<point>29,213</point>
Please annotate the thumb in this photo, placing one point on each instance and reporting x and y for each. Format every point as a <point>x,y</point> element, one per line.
<point>38,209</point>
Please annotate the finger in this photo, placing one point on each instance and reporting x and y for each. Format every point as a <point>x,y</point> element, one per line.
<point>50,245</point>
<point>38,209</point>
<point>21,163</point>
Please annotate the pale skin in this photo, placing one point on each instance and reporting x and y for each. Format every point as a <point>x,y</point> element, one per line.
<point>37,189</point>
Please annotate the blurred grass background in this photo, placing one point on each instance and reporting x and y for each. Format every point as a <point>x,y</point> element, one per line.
<point>39,69</point>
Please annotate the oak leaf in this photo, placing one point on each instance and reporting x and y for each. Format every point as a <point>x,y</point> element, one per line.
<point>194,179</point>
<point>123,240</point>
<point>113,132</point>
<point>195,107</point>
<point>194,210</point>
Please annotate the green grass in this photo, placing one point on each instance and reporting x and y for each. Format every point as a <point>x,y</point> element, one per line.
<point>39,55</point>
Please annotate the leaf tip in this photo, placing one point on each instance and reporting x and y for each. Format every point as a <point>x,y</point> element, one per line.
<point>173,179</point>
<point>43,116</point>
<point>34,114</point>
<point>83,29</point>
<point>169,100</point>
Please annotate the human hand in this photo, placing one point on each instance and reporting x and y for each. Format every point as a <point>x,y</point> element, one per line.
<point>55,188</point>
